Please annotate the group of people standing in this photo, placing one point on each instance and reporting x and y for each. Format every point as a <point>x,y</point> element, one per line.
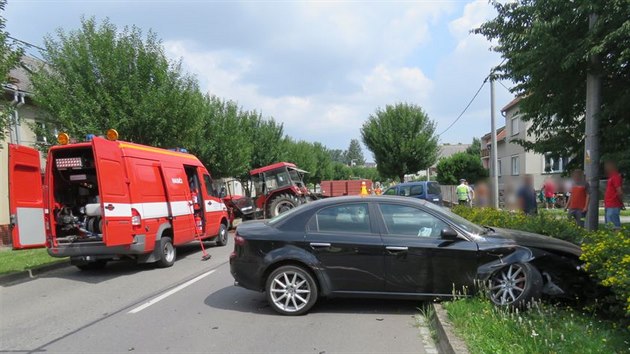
<point>576,193</point>
<point>578,196</point>
<point>466,195</point>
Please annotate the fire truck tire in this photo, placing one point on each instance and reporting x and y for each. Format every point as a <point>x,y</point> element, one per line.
<point>96,265</point>
<point>282,203</point>
<point>167,252</point>
<point>222,237</point>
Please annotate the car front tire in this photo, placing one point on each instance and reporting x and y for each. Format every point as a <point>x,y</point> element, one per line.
<point>291,290</point>
<point>515,285</point>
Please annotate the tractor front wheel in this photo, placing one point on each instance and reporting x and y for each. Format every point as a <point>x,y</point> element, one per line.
<point>282,203</point>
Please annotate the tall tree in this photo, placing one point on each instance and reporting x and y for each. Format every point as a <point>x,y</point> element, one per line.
<point>100,77</point>
<point>402,139</point>
<point>460,165</point>
<point>546,44</point>
<point>222,144</point>
<point>474,148</point>
<point>354,154</point>
<point>10,55</point>
<point>337,155</point>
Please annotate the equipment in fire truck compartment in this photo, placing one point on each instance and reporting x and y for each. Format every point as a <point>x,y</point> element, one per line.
<point>77,208</point>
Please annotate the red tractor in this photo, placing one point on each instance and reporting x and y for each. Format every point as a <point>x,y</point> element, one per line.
<point>279,187</point>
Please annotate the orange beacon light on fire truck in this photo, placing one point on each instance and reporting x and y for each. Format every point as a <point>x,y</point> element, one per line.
<point>63,138</point>
<point>111,134</point>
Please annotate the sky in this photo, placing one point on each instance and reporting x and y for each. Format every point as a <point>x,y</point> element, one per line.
<point>319,67</point>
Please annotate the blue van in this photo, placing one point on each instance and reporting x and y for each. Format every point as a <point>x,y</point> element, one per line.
<point>429,191</point>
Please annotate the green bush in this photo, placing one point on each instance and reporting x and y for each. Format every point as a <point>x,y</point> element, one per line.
<point>544,224</point>
<point>606,253</point>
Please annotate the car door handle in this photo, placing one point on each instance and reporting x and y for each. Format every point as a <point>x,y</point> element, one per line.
<point>320,244</point>
<point>396,249</point>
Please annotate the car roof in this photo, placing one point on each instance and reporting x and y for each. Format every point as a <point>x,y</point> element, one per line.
<point>415,183</point>
<point>367,199</point>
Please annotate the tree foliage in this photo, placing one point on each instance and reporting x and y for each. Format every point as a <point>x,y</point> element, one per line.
<point>474,148</point>
<point>10,55</point>
<point>460,165</point>
<point>100,77</point>
<point>354,154</point>
<point>546,44</point>
<point>221,142</point>
<point>402,139</point>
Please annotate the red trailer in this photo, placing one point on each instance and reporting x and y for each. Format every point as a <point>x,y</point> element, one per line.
<point>344,187</point>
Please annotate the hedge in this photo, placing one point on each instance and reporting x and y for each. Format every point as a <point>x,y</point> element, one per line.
<point>606,252</point>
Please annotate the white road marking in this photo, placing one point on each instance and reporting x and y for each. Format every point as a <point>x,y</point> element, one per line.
<point>171,292</point>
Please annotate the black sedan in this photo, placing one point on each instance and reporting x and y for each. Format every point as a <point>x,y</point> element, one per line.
<point>394,247</point>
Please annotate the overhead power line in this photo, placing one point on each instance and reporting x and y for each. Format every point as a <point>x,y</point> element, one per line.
<point>27,43</point>
<point>467,106</point>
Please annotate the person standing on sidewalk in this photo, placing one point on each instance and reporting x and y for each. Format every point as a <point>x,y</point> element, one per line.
<point>526,196</point>
<point>462,193</point>
<point>577,205</point>
<point>613,198</point>
<point>549,188</point>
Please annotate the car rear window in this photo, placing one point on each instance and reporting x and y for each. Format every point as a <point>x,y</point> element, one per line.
<point>434,188</point>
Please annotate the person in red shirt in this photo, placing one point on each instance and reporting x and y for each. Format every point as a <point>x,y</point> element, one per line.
<point>577,205</point>
<point>613,198</point>
<point>549,189</point>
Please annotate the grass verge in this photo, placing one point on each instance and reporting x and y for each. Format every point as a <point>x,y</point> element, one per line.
<point>12,261</point>
<point>542,329</point>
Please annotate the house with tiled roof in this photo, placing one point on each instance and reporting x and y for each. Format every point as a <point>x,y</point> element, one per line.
<point>513,161</point>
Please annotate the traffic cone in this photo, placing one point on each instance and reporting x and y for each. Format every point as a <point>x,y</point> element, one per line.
<point>364,190</point>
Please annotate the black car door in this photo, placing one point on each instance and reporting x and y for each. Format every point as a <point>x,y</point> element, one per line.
<point>348,246</point>
<point>417,259</point>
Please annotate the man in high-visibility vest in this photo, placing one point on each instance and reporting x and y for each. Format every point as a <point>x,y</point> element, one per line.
<point>462,193</point>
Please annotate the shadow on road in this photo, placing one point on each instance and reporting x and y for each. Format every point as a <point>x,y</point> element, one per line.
<point>233,298</point>
<point>124,267</point>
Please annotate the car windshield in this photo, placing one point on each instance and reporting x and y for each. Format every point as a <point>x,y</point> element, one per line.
<point>458,220</point>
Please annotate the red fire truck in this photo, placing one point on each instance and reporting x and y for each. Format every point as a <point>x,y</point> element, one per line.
<point>106,199</point>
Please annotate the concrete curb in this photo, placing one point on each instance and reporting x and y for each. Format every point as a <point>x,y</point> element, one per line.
<point>446,340</point>
<point>31,273</point>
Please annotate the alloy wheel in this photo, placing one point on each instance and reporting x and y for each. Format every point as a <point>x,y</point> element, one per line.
<point>508,284</point>
<point>290,291</point>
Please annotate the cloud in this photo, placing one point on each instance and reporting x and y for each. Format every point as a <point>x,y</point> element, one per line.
<point>322,68</point>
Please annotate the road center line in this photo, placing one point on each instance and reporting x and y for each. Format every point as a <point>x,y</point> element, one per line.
<point>171,292</point>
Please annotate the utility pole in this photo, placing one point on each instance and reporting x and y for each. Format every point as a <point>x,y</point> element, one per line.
<point>493,151</point>
<point>591,144</point>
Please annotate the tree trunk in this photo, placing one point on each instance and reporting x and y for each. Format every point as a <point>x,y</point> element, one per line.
<point>402,177</point>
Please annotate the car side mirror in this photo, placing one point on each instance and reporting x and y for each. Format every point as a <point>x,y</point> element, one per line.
<point>449,234</point>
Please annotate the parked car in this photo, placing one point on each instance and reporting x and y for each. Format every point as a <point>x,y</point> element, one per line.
<point>429,191</point>
<point>393,247</point>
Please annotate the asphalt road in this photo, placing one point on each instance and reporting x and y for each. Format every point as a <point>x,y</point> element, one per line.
<point>191,307</point>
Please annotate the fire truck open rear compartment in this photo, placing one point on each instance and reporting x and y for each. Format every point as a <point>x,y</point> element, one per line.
<point>76,205</point>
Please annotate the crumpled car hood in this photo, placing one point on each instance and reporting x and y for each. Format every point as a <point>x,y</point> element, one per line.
<point>530,239</point>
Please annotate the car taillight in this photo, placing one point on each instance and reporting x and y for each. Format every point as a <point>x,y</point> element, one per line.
<point>136,220</point>
<point>239,240</point>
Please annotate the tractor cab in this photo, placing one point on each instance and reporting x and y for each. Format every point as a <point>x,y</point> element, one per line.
<point>279,187</point>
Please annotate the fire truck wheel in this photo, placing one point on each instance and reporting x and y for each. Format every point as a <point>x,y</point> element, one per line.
<point>222,237</point>
<point>96,265</point>
<point>167,251</point>
<point>282,203</point>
